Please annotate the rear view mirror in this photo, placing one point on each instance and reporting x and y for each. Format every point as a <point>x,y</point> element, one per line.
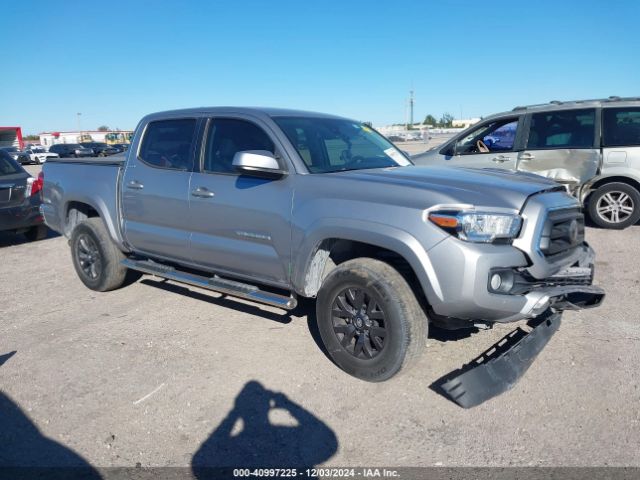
<point>258,163</point>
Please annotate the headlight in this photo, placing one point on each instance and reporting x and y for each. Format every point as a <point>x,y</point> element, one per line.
<point>480,227</point>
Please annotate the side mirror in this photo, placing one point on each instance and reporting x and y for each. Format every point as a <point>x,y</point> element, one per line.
<point>258,163</point>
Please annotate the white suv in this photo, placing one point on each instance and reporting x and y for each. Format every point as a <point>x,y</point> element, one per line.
<point>590,146</point>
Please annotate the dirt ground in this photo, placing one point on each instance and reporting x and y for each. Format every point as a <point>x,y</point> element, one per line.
<point>159,374</point>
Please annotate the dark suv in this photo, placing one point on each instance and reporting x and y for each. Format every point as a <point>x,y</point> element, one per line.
<point>100,149</point>
<point>71,150</point>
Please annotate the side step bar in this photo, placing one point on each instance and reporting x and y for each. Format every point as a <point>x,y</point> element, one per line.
<point>215,283</point>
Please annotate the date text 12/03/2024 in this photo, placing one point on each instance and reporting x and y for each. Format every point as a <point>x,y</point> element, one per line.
<point>316,472</point>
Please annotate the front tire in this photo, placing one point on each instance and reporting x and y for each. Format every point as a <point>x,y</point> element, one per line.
<point>369,320</point>
<point>614,205</point>
<point>95,257</point>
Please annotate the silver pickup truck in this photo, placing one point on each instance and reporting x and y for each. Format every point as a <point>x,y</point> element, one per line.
<point>270,205</point>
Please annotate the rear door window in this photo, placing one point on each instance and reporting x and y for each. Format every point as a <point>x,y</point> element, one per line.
<point>562,129</point>
<point>621,126</point>
<point>168,144</point>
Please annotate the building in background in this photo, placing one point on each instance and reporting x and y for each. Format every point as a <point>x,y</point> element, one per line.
<point>51,138</point>
<point>465,122</point>
<point>11,137</point>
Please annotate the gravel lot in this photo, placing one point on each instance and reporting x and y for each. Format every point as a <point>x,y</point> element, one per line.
<point>157,374</point>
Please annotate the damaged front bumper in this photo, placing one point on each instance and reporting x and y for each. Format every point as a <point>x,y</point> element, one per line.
<point>569,289</point>
<point>499,368</point>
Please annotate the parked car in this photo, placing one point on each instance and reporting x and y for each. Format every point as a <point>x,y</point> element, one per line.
<point>71,150</point>
<point>270,204</point>
<point>20,199</point>
<point>121,147</point>
<point>37,156</point>
<point>100,149</point>
<point>14,152</point>
<point>590,146</point>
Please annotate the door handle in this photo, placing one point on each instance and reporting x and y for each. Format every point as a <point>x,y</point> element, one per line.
<point>500,159</point>
<point>527,156</point>
<point>202,192</point>
<point>136,185</point>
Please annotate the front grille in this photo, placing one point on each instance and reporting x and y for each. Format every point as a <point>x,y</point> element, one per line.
<point>563,230</point>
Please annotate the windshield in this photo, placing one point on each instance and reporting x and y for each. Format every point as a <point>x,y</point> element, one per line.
<point>333,145</point>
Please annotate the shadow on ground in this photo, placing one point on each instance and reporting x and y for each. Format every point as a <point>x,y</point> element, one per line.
<point>223,300</point>
<point>9,239</point>
<point>265,429</point>
<point>26,453</point>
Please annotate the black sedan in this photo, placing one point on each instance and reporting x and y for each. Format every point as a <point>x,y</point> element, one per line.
<point>20,199</point>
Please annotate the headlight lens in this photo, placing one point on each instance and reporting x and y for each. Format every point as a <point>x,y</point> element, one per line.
<point>480,227</point>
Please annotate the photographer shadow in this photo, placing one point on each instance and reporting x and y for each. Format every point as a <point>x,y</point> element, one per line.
<point>247,438</point>
<point>26,453</point>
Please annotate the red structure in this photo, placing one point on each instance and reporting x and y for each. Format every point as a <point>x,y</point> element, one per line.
<point>11,137</point>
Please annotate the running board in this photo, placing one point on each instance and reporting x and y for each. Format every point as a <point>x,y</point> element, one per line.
<point>215,283</point>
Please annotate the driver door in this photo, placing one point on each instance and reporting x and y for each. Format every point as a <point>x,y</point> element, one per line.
<point>490,145</point>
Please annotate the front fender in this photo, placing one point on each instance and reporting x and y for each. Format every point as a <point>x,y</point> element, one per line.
<point>372,233</point>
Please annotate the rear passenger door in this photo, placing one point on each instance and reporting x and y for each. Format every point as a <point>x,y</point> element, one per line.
<point>562,145</point>
<point>155,189</point>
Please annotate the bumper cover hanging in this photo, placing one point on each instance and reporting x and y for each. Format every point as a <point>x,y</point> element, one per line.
<point>499,368</point>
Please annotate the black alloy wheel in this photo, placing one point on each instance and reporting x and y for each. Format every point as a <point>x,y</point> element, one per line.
<point>359,322</point>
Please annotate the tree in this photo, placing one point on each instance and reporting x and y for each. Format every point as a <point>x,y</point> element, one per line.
<point>103,128</point>
<point>31,137</point>
<point>446,121</point>
<point>430,120</point>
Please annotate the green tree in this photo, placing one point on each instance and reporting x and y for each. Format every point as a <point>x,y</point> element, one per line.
<point>430,120</point>
<point>31,137</point>
<point>103,128</point>
<point>446,121</point>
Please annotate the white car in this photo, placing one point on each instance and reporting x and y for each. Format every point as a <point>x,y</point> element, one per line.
<point>38,155</point>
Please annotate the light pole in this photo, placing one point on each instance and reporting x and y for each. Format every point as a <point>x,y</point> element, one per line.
<point>79,127</point>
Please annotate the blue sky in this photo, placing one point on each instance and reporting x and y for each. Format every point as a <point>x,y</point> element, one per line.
<point>118,60</point>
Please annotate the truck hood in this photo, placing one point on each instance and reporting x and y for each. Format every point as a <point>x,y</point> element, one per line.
<point>481,187</point>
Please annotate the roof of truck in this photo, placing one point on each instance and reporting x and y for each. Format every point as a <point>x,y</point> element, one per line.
<point>271,112</point>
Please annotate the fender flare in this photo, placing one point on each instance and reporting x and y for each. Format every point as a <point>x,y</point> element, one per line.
<point>103,212</point>
<point>377,234</point>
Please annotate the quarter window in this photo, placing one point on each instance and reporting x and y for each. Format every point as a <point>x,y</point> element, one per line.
<point>226,137</point>
<point>562,129</point>
<point>167,143</point>
<point>621,127</point>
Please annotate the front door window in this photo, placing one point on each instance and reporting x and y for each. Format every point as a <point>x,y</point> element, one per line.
<point>497,136</point>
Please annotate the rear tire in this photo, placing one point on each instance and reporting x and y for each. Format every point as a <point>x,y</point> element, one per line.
<point>369,320</point>
<point>39,232</point>
<point>614,205</point>
<point>96,258</point>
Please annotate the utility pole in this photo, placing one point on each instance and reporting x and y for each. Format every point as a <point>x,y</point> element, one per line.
<point>411,107</point>
<point>79,127</point>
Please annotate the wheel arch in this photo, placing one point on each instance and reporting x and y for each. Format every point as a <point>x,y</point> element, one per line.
<point>389,244</point>
<point>79,209</point>
<point>613,178</point>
